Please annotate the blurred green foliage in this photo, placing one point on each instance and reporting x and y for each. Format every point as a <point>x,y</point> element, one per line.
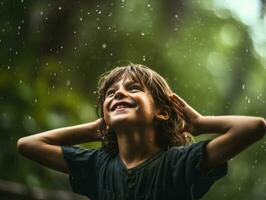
<point>52,53</point>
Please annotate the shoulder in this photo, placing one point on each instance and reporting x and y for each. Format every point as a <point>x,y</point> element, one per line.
<point>83,155</point>
<point>186,154</point>
<point>187,149</point>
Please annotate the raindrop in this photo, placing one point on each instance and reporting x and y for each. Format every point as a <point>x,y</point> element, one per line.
<point>41,13</point>
<point>142,34</point>
<point>143,58</point>
<point>35,100</point>
<point>20,82</point>
<point>59,8</point>
<point>88,13</point>
<point>29,117</point>
<point>243,86</point>
<point>148,5</point>
<point>98,27</point>
<point>80,19</point>
<point>8,67</point>
<point>68,82</point>
<point>104,45</point>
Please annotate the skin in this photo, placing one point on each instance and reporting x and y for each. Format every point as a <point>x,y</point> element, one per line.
<point>134,128</point>
<point>236,132</point>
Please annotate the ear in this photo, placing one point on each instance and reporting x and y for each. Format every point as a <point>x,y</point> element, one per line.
<point>163,113</point>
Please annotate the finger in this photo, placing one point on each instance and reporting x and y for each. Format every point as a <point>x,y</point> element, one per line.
<point>179,113</point>
<point>177,105</point>
<point>176,102</point>
<point>179,99</point>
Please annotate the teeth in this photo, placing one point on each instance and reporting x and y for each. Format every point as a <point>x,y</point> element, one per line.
<point>121,106</point>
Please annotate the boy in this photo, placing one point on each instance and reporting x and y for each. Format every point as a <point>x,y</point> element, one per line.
<point>145,129</point>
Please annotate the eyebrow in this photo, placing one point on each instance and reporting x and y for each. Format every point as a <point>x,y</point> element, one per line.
<point>126,84</point>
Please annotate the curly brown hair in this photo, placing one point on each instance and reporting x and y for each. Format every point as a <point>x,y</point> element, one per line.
<point>168,133</point>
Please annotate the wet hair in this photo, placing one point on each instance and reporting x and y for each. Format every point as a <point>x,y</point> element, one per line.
<point>169,132</point>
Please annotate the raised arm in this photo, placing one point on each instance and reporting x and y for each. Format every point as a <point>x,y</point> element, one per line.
<point>45,147</point>
<point>237,132</point>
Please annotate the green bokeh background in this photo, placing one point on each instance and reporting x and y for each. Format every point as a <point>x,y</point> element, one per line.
<point>53,52</point>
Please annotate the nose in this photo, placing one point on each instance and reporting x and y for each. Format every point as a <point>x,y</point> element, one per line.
<point>120,93</point>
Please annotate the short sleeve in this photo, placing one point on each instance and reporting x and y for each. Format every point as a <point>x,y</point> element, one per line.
<point>82,166</point>
<point>187,161</point>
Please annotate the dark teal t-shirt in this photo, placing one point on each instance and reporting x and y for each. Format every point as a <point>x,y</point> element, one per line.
<point>171,175</point>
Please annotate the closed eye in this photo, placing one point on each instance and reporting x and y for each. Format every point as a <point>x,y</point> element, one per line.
<point>110,92</point>
<point>134,88</point>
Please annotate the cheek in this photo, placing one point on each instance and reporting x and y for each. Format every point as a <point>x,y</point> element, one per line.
<point>105,110</point>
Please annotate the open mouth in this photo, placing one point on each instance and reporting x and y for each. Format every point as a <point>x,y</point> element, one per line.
<point>122,105</point>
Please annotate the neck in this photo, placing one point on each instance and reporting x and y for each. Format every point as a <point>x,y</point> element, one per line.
<point>135,146</point>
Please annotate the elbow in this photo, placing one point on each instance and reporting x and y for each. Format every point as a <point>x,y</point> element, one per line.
<point>261,128</point>
<point>22,145</point>
<point>25,145</point>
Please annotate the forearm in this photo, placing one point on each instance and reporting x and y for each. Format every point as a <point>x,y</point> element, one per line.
<point>222,124</point>
<point>66,136</point>
<point>45,149</point>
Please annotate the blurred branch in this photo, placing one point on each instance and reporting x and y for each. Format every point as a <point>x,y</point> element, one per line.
<point>16,191</point>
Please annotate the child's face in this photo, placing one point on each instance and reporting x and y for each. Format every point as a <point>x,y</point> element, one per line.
<point>127,104</point>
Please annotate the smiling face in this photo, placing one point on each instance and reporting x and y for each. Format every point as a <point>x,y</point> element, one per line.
<point>128,104</point>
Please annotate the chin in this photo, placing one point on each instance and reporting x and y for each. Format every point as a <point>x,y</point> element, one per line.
<point>124,123</point>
